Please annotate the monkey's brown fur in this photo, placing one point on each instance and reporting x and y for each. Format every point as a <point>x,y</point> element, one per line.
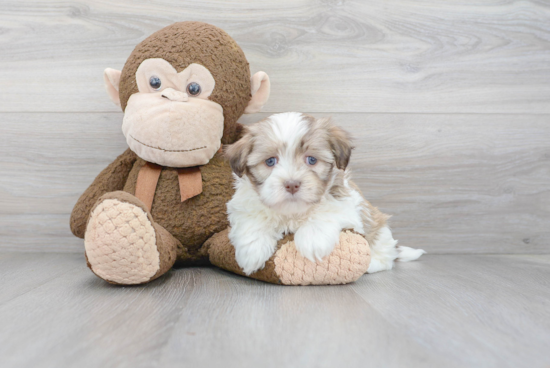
<point>194,221</point>
<point>191,222</point>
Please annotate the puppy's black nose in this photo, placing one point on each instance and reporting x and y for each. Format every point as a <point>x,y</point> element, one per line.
<point>292,186</point>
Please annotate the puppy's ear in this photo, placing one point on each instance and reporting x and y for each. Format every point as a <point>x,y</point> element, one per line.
<point>238,152</point>
<point>340,143</point>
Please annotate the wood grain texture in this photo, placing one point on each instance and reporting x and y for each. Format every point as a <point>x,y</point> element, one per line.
<point>453,183</point>
<point>441,311</point>
<point>22,272</point>
<point>476,310</point>
<point>323,56</point>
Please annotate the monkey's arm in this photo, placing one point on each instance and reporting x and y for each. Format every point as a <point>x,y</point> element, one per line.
<point>112,178</point>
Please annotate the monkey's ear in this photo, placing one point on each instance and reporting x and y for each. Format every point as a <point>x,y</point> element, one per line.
<point>111,77</point>
<point>260,87</point>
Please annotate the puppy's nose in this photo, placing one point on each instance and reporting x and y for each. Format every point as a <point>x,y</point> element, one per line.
<point>292,186</point>
<point>174,95</point>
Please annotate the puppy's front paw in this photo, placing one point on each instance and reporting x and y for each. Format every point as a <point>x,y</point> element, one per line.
<point>316,242</point>
<point>252,257</point>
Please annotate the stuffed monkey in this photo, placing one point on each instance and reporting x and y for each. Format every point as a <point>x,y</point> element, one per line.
<point>164,199</point>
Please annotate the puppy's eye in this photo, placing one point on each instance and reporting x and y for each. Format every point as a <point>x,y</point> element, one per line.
<point>271,161</point>
<point>194,89</point>
<point>154,82</point>
<point>311,160</point>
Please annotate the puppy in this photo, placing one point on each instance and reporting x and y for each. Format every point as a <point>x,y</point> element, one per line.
<point>291,177</point>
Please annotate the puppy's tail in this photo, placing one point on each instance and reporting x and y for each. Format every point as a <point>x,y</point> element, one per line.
<point>384,251</point>
<point>406,254</point>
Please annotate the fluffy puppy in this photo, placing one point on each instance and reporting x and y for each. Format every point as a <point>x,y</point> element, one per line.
<point>291,177</point>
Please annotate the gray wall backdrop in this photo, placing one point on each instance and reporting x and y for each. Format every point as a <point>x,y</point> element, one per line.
<point>448,101</point>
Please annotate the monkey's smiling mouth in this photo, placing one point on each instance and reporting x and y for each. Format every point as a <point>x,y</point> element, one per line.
<point>167,150</point>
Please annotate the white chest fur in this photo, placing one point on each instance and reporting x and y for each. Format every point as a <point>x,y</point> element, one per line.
<point>246,208</point>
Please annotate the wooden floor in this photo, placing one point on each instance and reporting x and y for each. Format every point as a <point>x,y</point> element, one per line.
<point>442,311</point>
<point>449,106</point>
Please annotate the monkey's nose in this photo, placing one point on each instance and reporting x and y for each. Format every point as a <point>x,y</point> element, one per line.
<point>174,95</point>
<point>292,186</point>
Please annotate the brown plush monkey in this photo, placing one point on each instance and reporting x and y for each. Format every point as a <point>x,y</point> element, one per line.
<point>182,90</point>
<point>164,199</point>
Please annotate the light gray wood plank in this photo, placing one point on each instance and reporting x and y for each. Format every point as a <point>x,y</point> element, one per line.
<point>454,183</point>
<point>80,320</point>
<point>23,272</point>
<point>481,311</point>
<point>251,324</point>
<point>444,311</point>
<point>332,55</point>
<point>39,231</point>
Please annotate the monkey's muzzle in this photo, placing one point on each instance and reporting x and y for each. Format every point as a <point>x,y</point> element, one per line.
<point>171,129</point>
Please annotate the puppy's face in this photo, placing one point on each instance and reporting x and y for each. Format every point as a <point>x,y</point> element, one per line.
<point>291,159</point>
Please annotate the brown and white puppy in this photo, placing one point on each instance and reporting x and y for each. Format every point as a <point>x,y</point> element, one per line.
<point>292,177</point>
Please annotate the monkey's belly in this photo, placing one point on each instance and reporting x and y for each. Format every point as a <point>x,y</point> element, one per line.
<point>194,221</point>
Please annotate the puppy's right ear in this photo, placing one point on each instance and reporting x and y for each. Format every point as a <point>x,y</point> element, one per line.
<point>238,152</point>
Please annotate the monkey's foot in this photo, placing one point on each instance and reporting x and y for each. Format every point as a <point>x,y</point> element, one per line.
<point>348,261</point>
<point>123,243</point>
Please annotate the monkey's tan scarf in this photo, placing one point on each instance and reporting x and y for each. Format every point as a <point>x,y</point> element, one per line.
<point>189,178</point>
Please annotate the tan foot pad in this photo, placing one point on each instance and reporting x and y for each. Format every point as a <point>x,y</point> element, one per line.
<point>120,243</point>
<point>347,262</point>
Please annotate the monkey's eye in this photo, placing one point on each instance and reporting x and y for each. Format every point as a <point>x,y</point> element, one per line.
<point>194,89</point>
<point>311,160</point>
<point>154,82</point>
<point>271,161</point>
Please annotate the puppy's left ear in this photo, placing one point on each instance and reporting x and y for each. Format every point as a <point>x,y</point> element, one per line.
<point>340,143</point>
<point>237,153</point>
